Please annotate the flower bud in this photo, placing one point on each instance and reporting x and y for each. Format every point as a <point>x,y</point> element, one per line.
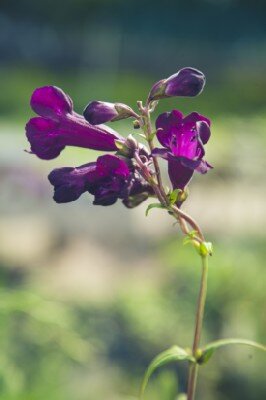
<point>188,82</point>
<point>128,146</point>
<point>136,124</point>
<point>135,200</point>
<point>99,112</point>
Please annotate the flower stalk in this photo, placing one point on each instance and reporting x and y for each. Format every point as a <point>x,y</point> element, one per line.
<point>193,369</point>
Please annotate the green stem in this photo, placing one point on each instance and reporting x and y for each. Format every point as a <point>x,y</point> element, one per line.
<point>193,371</point>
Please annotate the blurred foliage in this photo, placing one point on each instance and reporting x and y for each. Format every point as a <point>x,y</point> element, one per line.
<point>219,98</point>
<point>40,339</point>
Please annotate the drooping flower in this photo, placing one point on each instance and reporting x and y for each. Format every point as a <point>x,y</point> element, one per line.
<point>99,112</point>
<point>187,82</point>
<point>183,139</point>
<point>109,178</point>
<point>59,126</point>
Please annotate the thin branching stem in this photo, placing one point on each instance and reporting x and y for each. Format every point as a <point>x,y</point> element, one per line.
<point>193,370</point>
<point>185,221</point>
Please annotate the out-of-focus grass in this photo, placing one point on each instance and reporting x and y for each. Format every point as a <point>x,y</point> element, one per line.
<point>220,96</point>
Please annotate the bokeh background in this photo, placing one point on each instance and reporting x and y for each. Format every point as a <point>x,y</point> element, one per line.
<point>90,294</point>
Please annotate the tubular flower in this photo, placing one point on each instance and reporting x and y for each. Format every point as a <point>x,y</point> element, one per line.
<point>59,126</point>
<point>183,139</point>
<point>187,82</point>
<point>109,178</point>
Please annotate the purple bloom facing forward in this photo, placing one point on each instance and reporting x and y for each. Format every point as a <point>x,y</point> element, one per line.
<point>183,139</point>
<point>188,82</point>
<point>109,178</point>
<point>59,126</point>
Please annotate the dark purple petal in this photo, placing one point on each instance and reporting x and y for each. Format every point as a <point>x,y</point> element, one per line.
<point>179,174</point>
<point>104,199</point>
<point>163,153</point>
<point>190,120</point>
<point>186,82</point>
<point>165,124</point>
<point>42,135</point>
<point>112,165</point>
<point>137,191</point>
<point>70,183</point>
<point>48,137</point>
<point>109,180</point>
<point>99,112</point>
<point>192,164</point>
<point>50,101</point>
<point>203,130</point>
<point>168,120</point>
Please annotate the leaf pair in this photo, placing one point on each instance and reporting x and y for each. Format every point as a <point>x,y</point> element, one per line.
<point>177,353</point>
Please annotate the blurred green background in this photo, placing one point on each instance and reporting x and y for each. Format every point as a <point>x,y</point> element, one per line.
<point>90,294</point>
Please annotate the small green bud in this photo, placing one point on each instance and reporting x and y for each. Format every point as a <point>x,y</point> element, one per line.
<point>205,249</point>
<point>136,124</point>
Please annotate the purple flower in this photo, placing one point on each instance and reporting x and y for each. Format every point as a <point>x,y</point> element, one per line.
<point>183,139</point>
<point>59,126</point>
<point>187,82</point>
<point>99,112</point>
<point>109,178</point>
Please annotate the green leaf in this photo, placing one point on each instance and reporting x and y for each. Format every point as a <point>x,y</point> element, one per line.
<point>208,350</point>
<point>153,205</point>
<point>175,353</point>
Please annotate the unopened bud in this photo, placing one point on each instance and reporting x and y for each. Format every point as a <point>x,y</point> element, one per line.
<point>136,124</point>
<point>127,147</point>
<point>99,112</point>
<point>187,82</point>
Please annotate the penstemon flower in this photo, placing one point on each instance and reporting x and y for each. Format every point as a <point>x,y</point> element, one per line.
<point>109,178</point>
<point>183,140</point>
<point>59,126</point>
<point>132,174</point>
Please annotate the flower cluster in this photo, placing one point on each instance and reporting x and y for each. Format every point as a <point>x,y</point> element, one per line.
<point>129,173</point>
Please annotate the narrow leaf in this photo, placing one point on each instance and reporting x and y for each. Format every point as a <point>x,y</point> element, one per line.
<point>208,350</point>
<point>153,205</point>
<point>175,353</point>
